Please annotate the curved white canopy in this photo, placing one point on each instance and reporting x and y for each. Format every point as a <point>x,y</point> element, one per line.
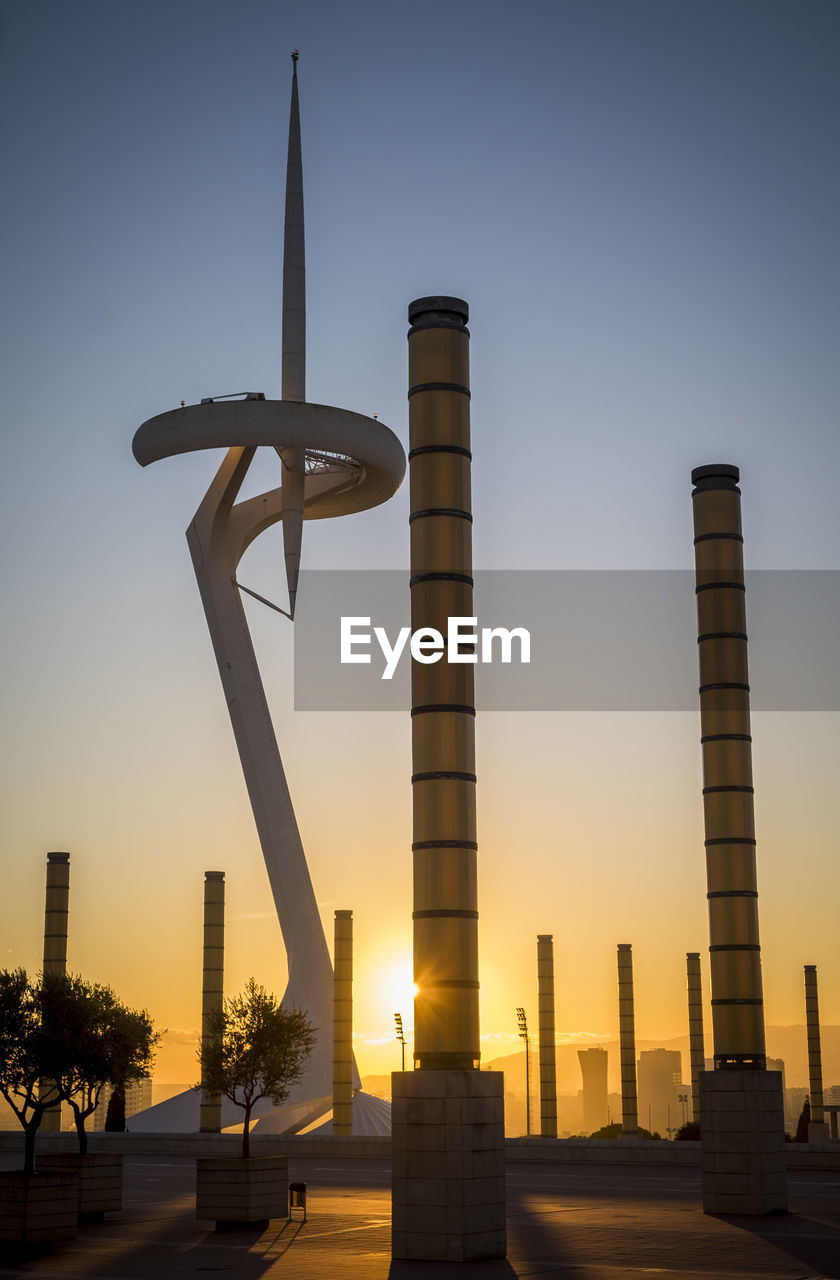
<point>285,424</point>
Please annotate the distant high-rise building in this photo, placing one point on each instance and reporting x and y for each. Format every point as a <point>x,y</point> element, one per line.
<point>593,1068</point>
<point>777,1064</point>
<point>660,1083</point>
<point>138,1096</point>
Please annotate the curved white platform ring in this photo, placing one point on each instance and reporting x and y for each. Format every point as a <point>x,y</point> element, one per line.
<point>284,424</point>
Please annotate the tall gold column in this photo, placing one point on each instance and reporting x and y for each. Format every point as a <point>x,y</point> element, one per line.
<point>737,1001</point>
<point>548,1051</point>
<point>740,1101</point>
<point>627,1041</point>
<point>447,1133</point>
<point>212,989</point>
<point>56,913</point>
<point>343,1024</point>
<point>696,1045</point>
<point>817,1129</point>
<point>443,705</point>
<point>56,916</point>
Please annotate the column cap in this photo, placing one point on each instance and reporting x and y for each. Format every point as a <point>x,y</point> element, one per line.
<point>438,311</point>
<point>58,857</point>
<point>716,475</point>
<point>214,875</point>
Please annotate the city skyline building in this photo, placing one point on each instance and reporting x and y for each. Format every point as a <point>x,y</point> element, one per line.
<point>659,1076</point>
<point>595,1101</point>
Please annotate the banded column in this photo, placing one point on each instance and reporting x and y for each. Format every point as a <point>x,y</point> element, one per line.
<point>627,1041</point>
<point>448,1159</point>
<point>443,704</point>
<point>56,916</point>
<point>212,986</point>
<point>737,1002</point>
<point>817,1128</point>
<point>696,1045</point>
<point>56,913</point>
<point>343,1024</point>
<point>740,1116</point>
<point>548,1051</point>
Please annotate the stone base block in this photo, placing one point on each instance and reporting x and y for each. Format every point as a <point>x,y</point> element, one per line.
<point>818,1131</point>
<point>448,1165</point>
<point>100,1177</point>
<point>234,1191</point>
<point>742,1142</point>
<point>38,1208</point>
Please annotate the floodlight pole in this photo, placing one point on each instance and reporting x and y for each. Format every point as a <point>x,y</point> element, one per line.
<point>523,1033</point>
<point>401,1037</point>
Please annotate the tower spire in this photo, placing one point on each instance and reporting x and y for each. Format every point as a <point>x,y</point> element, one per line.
<point>294,265</point>
<point>294,341</point>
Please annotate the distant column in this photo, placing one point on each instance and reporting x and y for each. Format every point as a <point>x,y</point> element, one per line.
<point>56,913</point>
<point>548,1051</point>
<point>627,1041</point>
<point>817,1129</point>
<point>343,1025</point>
<point>212,995</point>
<point>697,1048</point>
<point>56,917</point>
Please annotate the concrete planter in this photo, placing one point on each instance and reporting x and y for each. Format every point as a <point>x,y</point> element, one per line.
<point>100,1177</point>
<point>38,1208</point>
<point>233,1191</point>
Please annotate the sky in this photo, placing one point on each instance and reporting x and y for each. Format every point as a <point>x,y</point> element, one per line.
<point>639,199</point>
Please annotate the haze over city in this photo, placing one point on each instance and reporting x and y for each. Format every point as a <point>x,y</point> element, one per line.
<point>640,205</point>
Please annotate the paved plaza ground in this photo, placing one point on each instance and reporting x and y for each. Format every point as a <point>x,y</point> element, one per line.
<point>575,1222</point>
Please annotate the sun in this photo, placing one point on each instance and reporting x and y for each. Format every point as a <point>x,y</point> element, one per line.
<point>399,989</point>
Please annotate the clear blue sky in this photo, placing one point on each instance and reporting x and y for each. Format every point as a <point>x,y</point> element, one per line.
<point>640,201</point>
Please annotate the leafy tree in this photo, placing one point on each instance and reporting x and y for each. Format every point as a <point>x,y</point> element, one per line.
<point>802,1123</point>
<point>62,1039</point>
<point>28,1058</point>
<point>98,1041</point>
<point>254,1049</point>
<point>689,1132</point>
<point>613,1131</point>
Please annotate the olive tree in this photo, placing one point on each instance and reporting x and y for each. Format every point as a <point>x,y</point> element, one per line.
<point>98,1041</point>
<point>29,1062</point>
<point>62,1039</point>
<point>254,1049</point>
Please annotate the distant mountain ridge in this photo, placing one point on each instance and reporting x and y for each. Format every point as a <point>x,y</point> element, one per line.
<point>788,1043</point>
